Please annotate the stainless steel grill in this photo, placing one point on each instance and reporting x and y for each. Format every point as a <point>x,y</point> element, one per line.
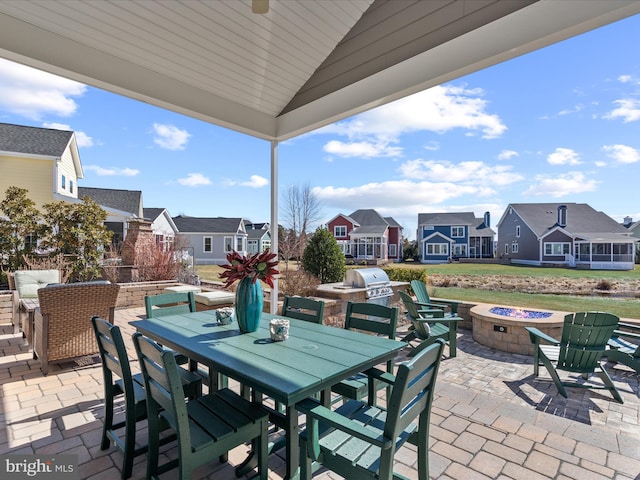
<point>374,280</point>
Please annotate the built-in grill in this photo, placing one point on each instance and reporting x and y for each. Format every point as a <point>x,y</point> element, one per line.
<point>374,280</point>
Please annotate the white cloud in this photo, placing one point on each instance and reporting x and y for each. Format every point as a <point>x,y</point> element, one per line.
<point>628,110</point>
<point>33,93</point>
<point>564,156</point>
<point>622,153</point>
<point>560,186</point>
<point>362,149</point>
<point>256,181</point>
<point>112,172</point>
<point>82,139</point>
<point>475,173</point>
<point>194,180</point>
<point>170,136</point>
<point>507,154</point>
<point>438,109</point>
<point>568,111</point>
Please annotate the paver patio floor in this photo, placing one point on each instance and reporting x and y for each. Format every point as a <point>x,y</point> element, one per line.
<point>491,419</point>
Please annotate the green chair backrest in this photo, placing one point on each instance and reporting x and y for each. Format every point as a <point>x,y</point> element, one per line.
<point>373,318</point>
<point>420,291</point>
<point>413,390</point>
<point>584,339</point>
<point>303,308</point>
<point>169,304</point>
<point>409,305</point>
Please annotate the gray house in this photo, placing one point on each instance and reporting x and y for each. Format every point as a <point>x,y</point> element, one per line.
<point>571,234</point>
<point>258,237</point>
<point>211,239</point>
<point>121,207</point>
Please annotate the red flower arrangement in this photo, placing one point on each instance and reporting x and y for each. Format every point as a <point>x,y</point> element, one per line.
<point>259,266</point>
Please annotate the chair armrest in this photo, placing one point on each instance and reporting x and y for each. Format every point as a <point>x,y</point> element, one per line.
<point>536,335</point>
<point>316,412</point>
<point>381,375</point>
<point>431,305</point>
<point>445,320</point>
<point>432,312</point>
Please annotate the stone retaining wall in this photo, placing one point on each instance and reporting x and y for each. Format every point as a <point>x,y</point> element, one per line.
<point>6,307</point>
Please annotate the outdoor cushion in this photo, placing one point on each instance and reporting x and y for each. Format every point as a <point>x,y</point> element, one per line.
<point>216,297</point>
<point>29,281</point>
<point>183,288</point>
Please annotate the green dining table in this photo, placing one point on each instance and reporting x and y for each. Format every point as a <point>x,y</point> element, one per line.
<point>310,361</point>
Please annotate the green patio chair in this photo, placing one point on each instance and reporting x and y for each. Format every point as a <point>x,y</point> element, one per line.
<point>429,325</point>
<point>120,382</point>
<point>424,300</point>
<point>624,346</point>
<point>206,427</point>
<point>585,336</point>
<point>374,319</point>
<point>359,441</point>
<point>173,303</point>
<point>303,308</point>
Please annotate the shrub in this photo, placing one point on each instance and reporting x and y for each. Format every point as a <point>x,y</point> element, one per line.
<point>323,257</point>
<point>406,275</point>
<point>604,285</point>
<point>297,282</point>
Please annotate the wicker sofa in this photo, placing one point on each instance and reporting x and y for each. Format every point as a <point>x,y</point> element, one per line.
<point>63,328</point>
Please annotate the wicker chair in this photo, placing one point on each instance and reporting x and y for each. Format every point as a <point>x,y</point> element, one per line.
<point>63,328</point>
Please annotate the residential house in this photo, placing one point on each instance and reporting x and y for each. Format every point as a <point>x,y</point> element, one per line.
<point>367,235</point>
<point>212,238</point>
<point>122,206</point>
<point>571,234</point>
<point>162,225</point>
<point>445,236</point>
<point>44,161</point>
<point>258,237</point>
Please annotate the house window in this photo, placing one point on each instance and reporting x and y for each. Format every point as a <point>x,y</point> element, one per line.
<point>557,248</point>
<point>208,244</point>
<point>252,246</point>
<point>506,249</point>
<point>71,186</point>
<point>392,250</point>
<point>514,247</point>
<point>228,244</point>
<point>340,231</point>
<point>64,182</point>
<point>31,242</point>
<point>460,250</point>
<point>457,232</point>
<point>266,244</point>
<point>240,244</point>
<point>518,231</point>
<point>437,249</point>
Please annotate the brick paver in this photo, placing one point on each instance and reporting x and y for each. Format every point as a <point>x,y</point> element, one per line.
<point>491,419</point>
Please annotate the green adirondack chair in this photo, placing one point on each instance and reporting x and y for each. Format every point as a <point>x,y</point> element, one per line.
<point>360,441</point>
<point>423,299</point>
<point>585,336</point>
<point>429,324</point>
<point>206,427</point>
<point>624,346</point>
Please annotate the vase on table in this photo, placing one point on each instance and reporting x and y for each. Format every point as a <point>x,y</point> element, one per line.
<point>249,302</point>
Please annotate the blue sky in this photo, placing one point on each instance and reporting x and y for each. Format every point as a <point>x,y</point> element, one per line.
<point>561,124</point>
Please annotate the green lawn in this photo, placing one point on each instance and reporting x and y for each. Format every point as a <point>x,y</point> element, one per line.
<point>628,308</point>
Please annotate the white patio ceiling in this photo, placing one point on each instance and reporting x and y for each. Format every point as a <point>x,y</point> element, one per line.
<point>302,65</point>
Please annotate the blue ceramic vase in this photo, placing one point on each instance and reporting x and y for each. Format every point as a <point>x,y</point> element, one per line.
<point>249,301</point>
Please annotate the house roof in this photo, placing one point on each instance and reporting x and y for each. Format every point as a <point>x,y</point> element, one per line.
<point>256,234</point>
<point>302,65</point>
<point>368,217</point>
<point>582,219</point>
<point>129,201</point>
<point>392,222</point>
<point>152,213</point>
<point>447,218</point>
<point>208,225</point>
<point>46,142</point>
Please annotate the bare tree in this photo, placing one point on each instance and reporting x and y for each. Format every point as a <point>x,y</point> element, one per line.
<point>300,210</point>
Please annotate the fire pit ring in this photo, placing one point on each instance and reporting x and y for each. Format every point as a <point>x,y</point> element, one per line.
<point>503,328</point>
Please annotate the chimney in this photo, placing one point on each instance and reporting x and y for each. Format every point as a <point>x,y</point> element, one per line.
<point>487,219</point>
<point>562,215</point>
<point>628,221</point>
